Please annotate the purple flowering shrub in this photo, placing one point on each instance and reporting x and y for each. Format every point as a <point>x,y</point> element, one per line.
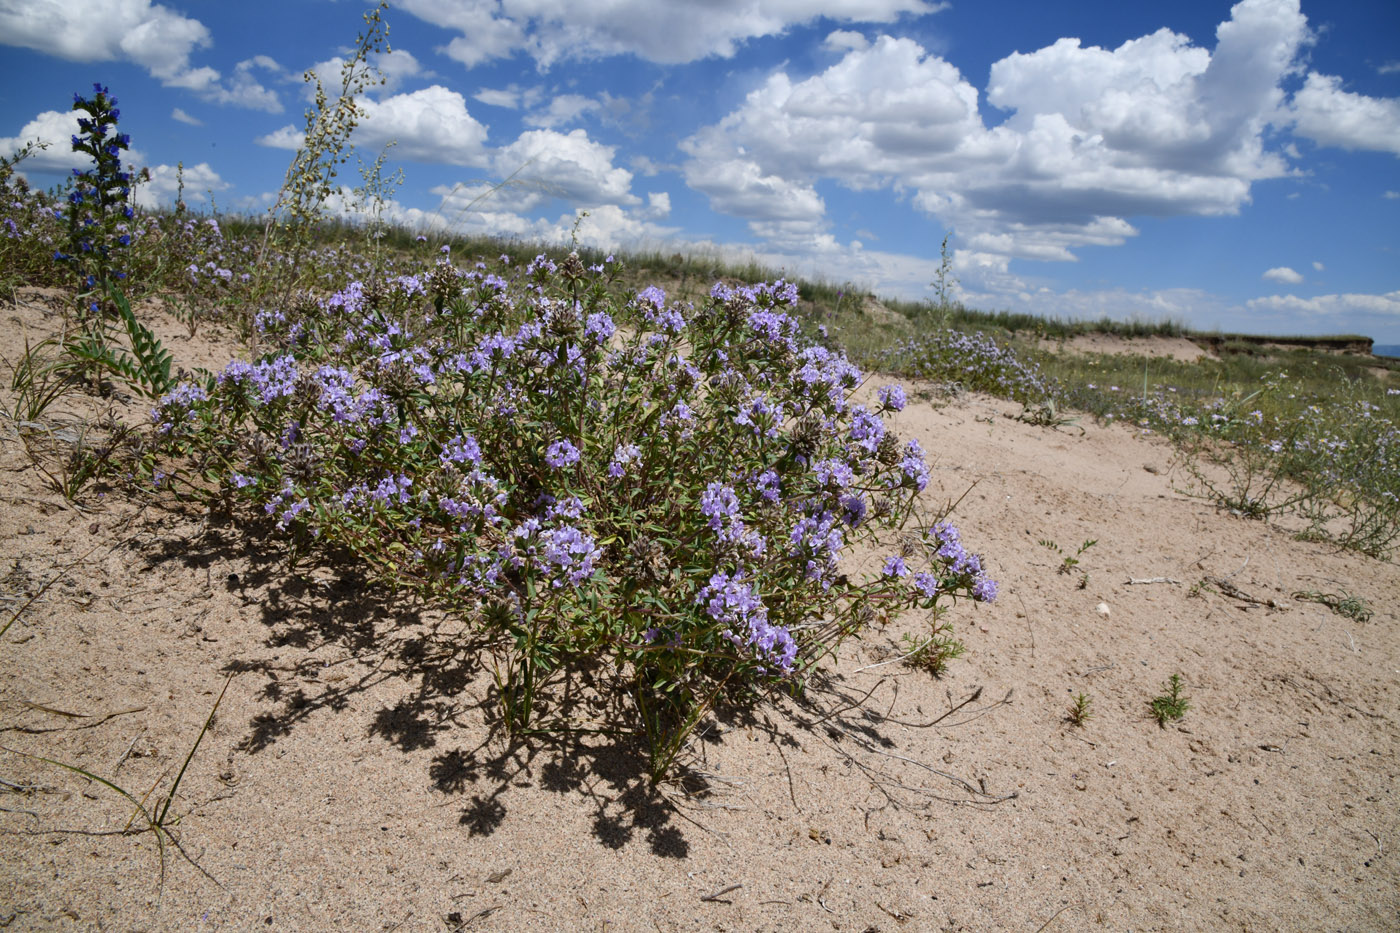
<point>973,361</point>
<point>590,476</point>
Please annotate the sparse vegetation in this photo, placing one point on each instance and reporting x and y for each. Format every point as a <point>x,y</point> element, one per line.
<point>932,652</point>
<point>1343,604</point>
<point>1172,705</point>
<point>1079,710</point>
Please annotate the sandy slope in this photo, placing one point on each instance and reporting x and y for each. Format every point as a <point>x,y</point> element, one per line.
<point>353,778</point>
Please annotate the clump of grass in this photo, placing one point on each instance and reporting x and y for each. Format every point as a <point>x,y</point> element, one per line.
<point>1170,706</point>
<point>156,819</point>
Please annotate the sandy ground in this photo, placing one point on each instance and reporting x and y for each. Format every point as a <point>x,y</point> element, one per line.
<point>354,778</point>
<point>1177,348</point>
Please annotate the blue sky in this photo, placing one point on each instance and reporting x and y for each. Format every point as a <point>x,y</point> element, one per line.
<point>1230,166</point>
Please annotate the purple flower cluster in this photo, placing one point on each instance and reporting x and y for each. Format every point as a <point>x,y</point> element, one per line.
<point>271,379</point>
<point>461,450</point>
<point>761,416</point>
<point>816,542</point>
<point>732,602</point>
<point>892,397</point>
<point>834,473</point>
<point>866,429</point>
<point>913,466</point>
<point>561,454</point>
<point>823,373</point>
<point>571,553</point>
<point>623,455</point>
<point>768,485</point>
<point>720,506</point>
<point>948,547</point>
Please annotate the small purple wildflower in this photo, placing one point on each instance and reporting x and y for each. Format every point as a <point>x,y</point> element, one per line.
<point>461,450</point>
<point>892,397</point>
<point>561,454</point>
<point>866,429</point>
<point>623,455</point>
<point>834,472</point>
<point>913,466</point>
<point>572,552</point>
<point>767,485</point>
<point>926,583</point>
<point>853,510</point>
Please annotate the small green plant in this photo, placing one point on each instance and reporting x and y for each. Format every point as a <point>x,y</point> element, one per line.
<point>933,652</point>
<point>145,368</point>
<point>1343,604</point>
<point>1170,706</point>
<point>372,199</point>
<point>1070,561</point>
<point>944,284</point>
<point>1047,414</point>
<point>1078,713</point>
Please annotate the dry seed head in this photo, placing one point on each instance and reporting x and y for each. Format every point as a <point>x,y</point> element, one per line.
<point>444,282</point>
<point>572,267</point>
<point>649,559</point>
<point>806,435</point>
<point>888,451</point>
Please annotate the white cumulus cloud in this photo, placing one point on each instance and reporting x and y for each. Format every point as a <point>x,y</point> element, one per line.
<point>1325,113</point>
<point>1285,275</point>
<point>569,165</point>
<point>153,36</point>
<point>1090,137</point>
<point>163,188</point>
<point>430,125</point>
<point>665,31</point>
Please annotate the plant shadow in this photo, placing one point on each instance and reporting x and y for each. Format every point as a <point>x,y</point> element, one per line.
<point>331,634</point>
